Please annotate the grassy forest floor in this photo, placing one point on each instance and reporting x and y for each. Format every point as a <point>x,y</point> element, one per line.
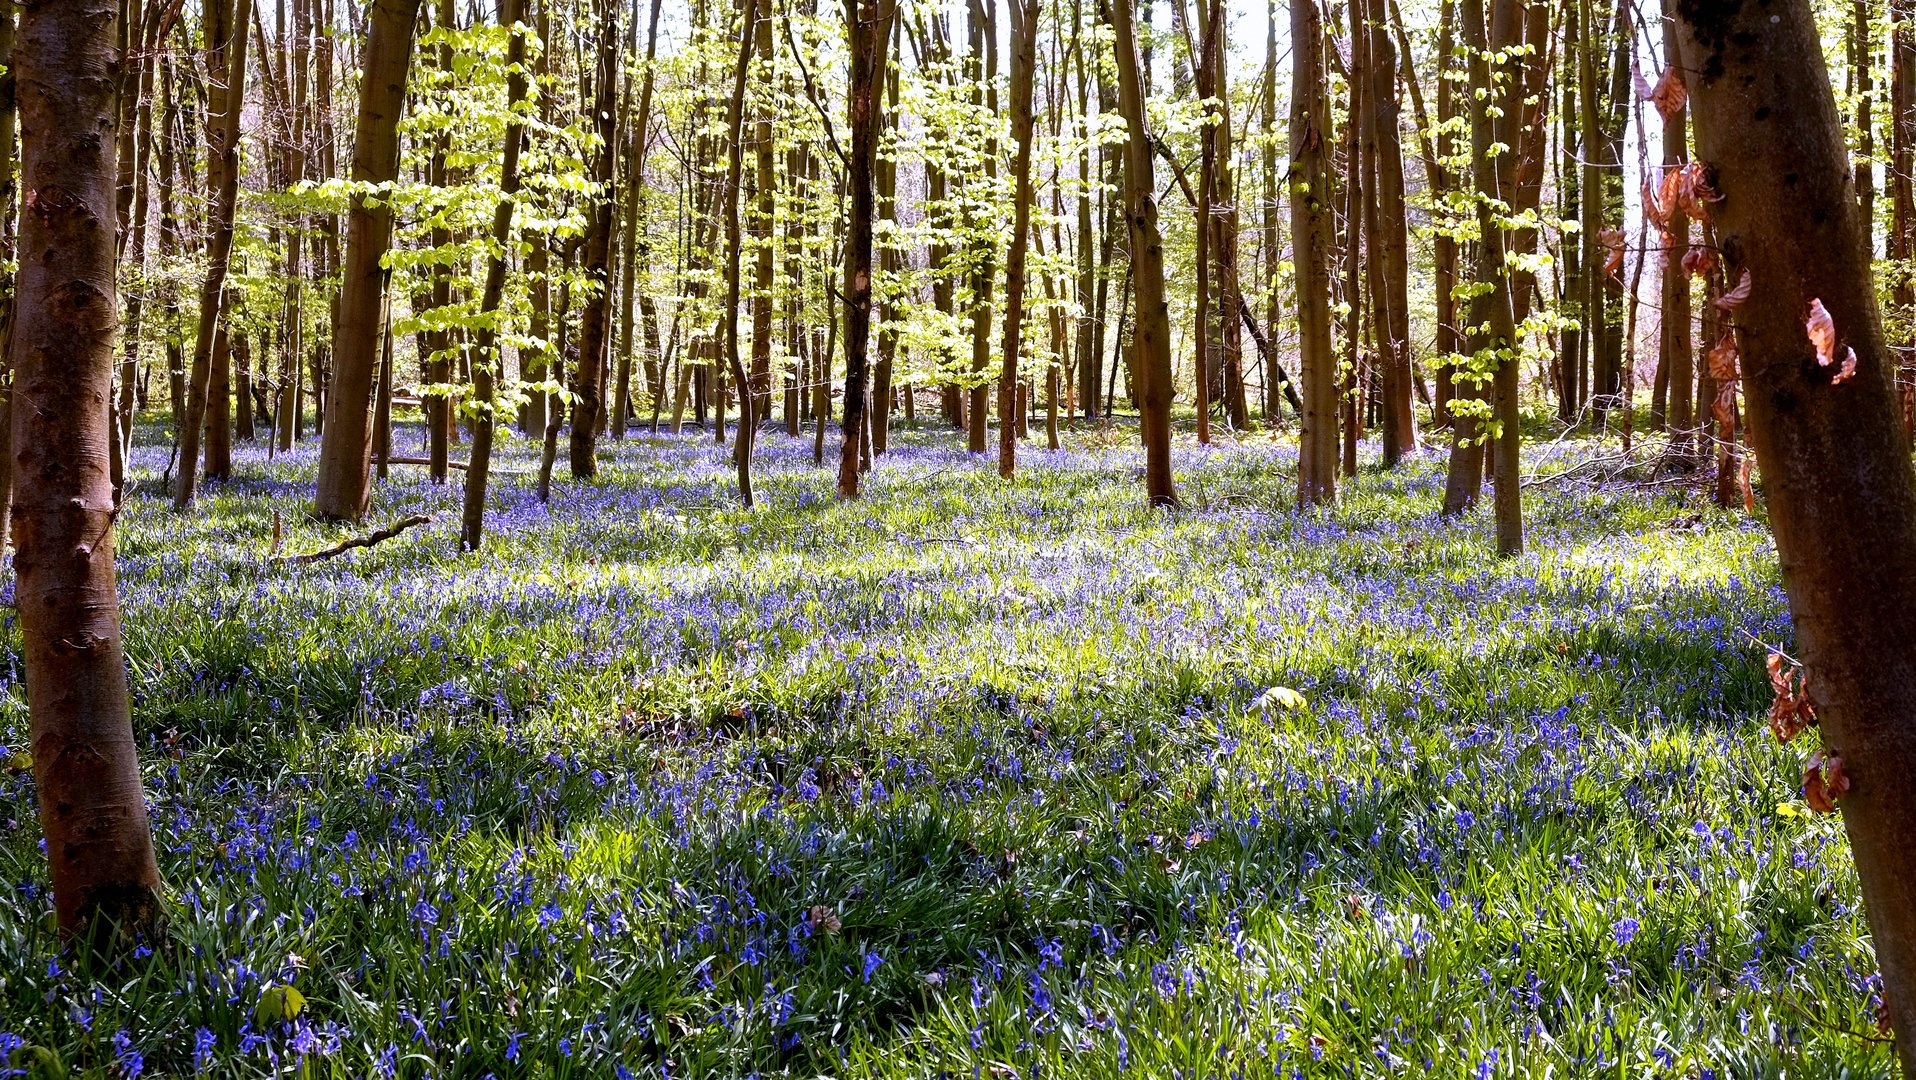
<point>969,778</point>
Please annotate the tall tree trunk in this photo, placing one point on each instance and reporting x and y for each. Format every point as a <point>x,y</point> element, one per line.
<point>86,771</point>
<point>472,520</point>
<point>984,50</point>
<point>589,386</point>
<point>1203,348</point>
<point>345,448</point>
<point>878,422</point>
<point>1024,62</point>
<point>438,342</point>
<point>748,395</point>
<point>766,182</point>
<point>135,237</point>
<point>1151,340</point>
<point>1836,470</point>
<point>868,26</point>
<point>1572,146</point>
<point>1389,244</point>
<point>1862,70</point>
<point>8,250</point>
<point>1309,186</point>
<point>1271,239</point>
<point>1090,336</point>
<point>1902,193</point>
<point>226,71</point>
<point>1677,357</point>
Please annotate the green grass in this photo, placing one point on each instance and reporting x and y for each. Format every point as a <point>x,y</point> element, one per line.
<point>563,807</point>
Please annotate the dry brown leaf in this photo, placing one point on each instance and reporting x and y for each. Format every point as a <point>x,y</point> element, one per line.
<point>1723,407</point>
<point>1743,481</point>
<point>1670,94</point>
<point>1612,241</point>
<point>1848,370</point>
<point>1822,330</point>
<point>1655,209</point>
<point>822,918</point>
<point>1736,297</point>
<point>1699,189</point>
<point>1699,260</point>
<point>1723,358</point>
<point>1824,781</point>
<point>1791,709</point>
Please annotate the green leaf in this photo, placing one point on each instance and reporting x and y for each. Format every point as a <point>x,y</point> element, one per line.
<point>277,1004</point>
<point>1281,697</point>
<point>36,1063</point>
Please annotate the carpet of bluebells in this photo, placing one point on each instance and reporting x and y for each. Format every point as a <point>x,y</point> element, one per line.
<point>969,778</point>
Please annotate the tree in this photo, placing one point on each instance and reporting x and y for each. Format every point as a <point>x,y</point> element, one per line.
<point>1024,57</point>
<point>1676,374</point>
<point>603,216</point>
<point>226,69</point>
<point>1310,191</point>
<point>486,357</point>
<point>1388,239</point>
<point>1828,438</point>
<point>728,314</point>
<point>1151,338</point>
<point>92,810</point>
<point>346,445</point>
<point>868,25</point>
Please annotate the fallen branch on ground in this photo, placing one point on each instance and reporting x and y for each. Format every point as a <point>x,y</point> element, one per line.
<point>366,541</point>
<point>450,464</point>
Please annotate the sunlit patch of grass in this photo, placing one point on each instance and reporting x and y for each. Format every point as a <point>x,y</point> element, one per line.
<point>965,777</point>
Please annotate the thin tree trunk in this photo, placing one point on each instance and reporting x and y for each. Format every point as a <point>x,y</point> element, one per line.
<point>868,25</point>
<point>1677,356</point>
<point>589,386</point>
<point>748,391</point>
<point>226,67</point>
<point>1311,213</point>
<point>345,449</point>
<point>1024,61</point>
<point>984,48</point>
<point>1151,340</point>
<point>472,518</point>
<point>1389,243</point>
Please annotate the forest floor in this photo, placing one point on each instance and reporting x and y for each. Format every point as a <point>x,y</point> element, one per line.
<point>968,778</point>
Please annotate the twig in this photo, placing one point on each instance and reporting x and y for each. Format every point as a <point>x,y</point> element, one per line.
<point>366,541</point>
<point>1767,647</point>
<point>1839,1029</point>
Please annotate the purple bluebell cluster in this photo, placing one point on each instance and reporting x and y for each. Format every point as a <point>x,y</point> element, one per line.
<point>963,777</point>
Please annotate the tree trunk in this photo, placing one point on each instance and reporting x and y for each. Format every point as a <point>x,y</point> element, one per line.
<point>1151,341</point>
<point>1024,62</point>
<point>589,385</point>
<point>1836,471</point>
<point>1389,244</point>
<point>1902,191</point>
<point>438,398</point>
<point>226,70</point>
<point>345,448</point>
<point>1309,184</point>
<point>984,48</point>
<point>748,396</point>
<point>1677,356</point>
<point>878,423</point>
<point>868,26</point>
<point>86,771</point>
<point>762,220</point>
<point>472,520</point>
